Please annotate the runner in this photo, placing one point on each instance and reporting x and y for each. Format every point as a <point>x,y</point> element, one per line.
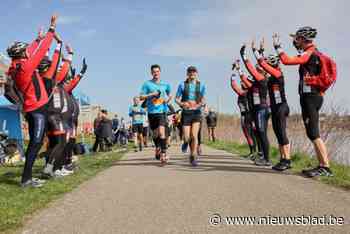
<point>261,105</point>
<point>211,119</point>
<point>157,94</point>
<point>190,97</point>
<point>25,59</point>
<point>145,132</point>
<point>137,114</point>
<point>279,105</point>
<point>247,122</point>
<point>311,95</point>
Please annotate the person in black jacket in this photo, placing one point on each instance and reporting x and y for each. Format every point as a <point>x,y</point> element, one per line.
<point>105,132</point>
<point>211,124</point>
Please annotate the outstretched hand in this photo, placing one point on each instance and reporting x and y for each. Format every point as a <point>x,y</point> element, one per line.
<point>72,71</point>
<point>69,49</point>
<point>276,40</point>
<point>242,50</point>
<point>262,45</point>
<point>53,21</point>
<point>84,67</point>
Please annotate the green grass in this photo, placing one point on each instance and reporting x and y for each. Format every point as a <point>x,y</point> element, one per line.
<point>17,203</point>
<point>300,161</point>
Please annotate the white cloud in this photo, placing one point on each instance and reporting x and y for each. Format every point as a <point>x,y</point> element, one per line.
<point>219,31</point>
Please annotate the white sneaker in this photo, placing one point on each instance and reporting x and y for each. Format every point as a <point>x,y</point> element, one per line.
<point>37,180</point>
<point>65,171</point>
<point>48,170</point>
<point>58,174</point>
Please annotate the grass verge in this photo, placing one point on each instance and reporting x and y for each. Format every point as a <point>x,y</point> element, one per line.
<point>16,203</point>
<point>300,161</point>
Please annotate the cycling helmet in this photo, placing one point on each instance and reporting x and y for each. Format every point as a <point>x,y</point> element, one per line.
<point>44,64</point>
<point>307,32</point>
<point>273,60</point>
<point>16,49</point>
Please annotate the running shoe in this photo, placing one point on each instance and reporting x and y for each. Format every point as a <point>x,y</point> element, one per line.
<point>66,171</point>
<point>199,150</point>
<point>48,170</point>
<point>184,148</point>
<point>40,181</point>
<point>31,183</point>
<point>252,157</point>
<point>318,171</point>
<point>70,167</point>
<point>61,173</point>
<point>163,159</point>
<point>282,165</point>
<point>263,162</point>
<point>157,156</point>
<point>193,161</point>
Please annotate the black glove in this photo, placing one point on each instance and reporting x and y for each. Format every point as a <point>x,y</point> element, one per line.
<point>242,52</point>
<point>72,71</point>
<point>233,66</point>
<point>84,68</point>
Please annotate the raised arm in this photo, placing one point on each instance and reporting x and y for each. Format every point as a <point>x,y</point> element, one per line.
<point>37,55</point>
<point>290,60</point>
<point>55,60</point>
<point>251,69</point>
<point>236,88</point>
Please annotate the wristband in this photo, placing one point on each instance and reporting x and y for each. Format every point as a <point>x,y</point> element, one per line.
<point>279,50</point>
<point>52,28</point>
<point>244,56</point>
<point>240,72</point>
<point>58,47</point>
<point>69,57</point>
<point>257,54</point>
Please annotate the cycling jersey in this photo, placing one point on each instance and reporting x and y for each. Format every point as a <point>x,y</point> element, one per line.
<point>275,83</point>
<point>259,88</point>
<point>27,78</point>
<point>156,105</point>
<point>310,65</point>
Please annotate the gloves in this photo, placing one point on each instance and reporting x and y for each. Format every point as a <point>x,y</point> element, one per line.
<point>72,71</point>
<point>242,52</point>
<point>84,68</point>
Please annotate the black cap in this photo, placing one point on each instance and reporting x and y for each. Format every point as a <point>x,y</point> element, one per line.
<point>192,69</point>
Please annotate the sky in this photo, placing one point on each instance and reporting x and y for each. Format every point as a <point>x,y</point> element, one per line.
<point>121,39</point>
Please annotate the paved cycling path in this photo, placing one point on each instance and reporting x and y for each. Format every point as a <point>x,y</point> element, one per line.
<point>138,196</point>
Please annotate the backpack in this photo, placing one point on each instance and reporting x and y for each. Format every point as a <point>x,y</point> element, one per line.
<point>12,93</point>
<point>328,73</point>
<point>186,92</point>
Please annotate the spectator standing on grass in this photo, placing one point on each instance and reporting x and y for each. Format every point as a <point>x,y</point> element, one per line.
<point>106,133</point>
<point>211,119</point>
<point>97,121</point>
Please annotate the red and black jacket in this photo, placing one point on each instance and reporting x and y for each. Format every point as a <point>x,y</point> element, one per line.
<point>310,65</point>
<point>259,87</point>
<point>242,93</point>
<point>275,83</point>
<point>27,78</point>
